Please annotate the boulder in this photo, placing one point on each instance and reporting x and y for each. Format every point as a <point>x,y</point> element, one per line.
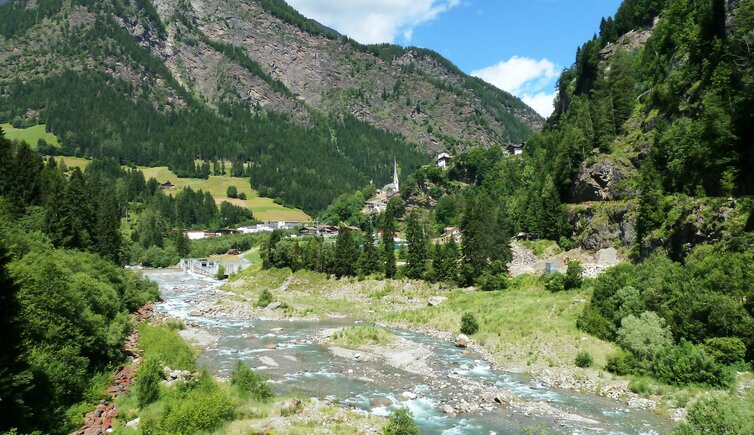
<point>271,346</point>
<point>290,406</point>
<point>380,403</point>
<point>134,423</point>
<point>448,410</point>
<point>436,300</point>
<point>407,395</point>
<point>274,305</point>
<point>195,313</point>
<point>462,341</point>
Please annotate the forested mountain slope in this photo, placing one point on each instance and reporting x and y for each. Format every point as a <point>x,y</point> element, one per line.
<point>171,81</point>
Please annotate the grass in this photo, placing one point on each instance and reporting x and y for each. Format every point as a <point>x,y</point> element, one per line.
<point>30,135</point>
<point>357,337</point>
<point>264,209</point>
<point>253,255</point>
<point>542,247</point>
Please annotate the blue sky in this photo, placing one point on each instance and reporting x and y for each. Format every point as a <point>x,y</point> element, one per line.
<point>518,45</point>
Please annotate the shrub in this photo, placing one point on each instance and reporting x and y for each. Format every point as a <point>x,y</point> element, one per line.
<point>584,359</point>
<point>713,416</point>
<point>621,363</point>
<point>166,347</point>
<point>232,192</point>
<point>490,282</point>
<point>220,272</point>
<point>690,364</point>
<point>148,378</point>
<point>265,298</point>
<point>726,350</point>
<point>201,408</point>
<point>567,244</point>
<point>401,422</point>
<point>249,383</point>
<point>242,196</point>
<point>573,276</point>
<point>469,325</point>
<point>639,386</point>
<point>646,336</point>
<point>555,282</point>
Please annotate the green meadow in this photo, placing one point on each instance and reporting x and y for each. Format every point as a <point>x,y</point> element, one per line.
<point>30,135</point>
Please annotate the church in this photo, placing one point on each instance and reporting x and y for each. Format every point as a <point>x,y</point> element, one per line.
<point>378,203</point>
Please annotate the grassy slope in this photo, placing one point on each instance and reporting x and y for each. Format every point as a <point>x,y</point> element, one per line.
<point>263,208</point>
<point>30,135</point>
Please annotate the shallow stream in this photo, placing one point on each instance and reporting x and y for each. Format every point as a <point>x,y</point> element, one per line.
<point>299,365</point>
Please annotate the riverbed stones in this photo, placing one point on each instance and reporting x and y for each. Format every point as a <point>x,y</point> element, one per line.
<point>271,346</point>
<point>268,361</point>
<point>380,403</point>
<point>274,305</point>
<point>290,407</point>
<point>195,313</point>
<point>462,341</point>
<point>407,395</point>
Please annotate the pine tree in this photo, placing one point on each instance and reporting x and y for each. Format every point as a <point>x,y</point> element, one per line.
<point>552,211</point>
<point>416,262</point>
<point>388,244</point>
<point>182,244</point>
<point>346,253</point>
<point>369,262</point>
<point>268,248</point>
<point>14,375</point>
<point>485,242</point>
<point>107,235</point>
<point>76,213</point>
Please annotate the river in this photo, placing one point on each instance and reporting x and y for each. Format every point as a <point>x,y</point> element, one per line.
<point>299,365</point>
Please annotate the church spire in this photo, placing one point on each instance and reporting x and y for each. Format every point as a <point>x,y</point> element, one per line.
<point>395,175</point>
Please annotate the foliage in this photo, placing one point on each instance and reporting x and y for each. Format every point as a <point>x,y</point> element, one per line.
<point>584,359</point>
<point>165,346</point>
<point>555,282</point>
<point>726,350</point>
<point>646,336</point>
<point>574,275</point>
<point>147,384</point>
<point>220,272</point>
<point>355,337</point>
<point>416,237</point>
<point>469,325</point>
<point>249,383</point>
<point>219,245</point>
<point>716,415</point>
<point>265,298</point>
<point>401,422</point>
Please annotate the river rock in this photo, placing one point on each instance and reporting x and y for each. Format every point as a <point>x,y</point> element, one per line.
<point>448,410</point>
<point>462,341</point>
<point>407,395</point>
<point>268,361</point>
<point>271,346</point>
<point>276,329</point>
<point>436,300</point>
<point>380,403</point>
<point>274,305</point>
<point>290,407</point>
<point>195,313</point>
<point>134,423</point>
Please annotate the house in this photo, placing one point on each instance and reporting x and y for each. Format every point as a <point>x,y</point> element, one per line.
<point>375,205</point>
<point>326,231</point>
<point>514,150</point>
<point>269,227</point>
<point>442,160</point>
<point>167,185</point>
<point>450,233</point>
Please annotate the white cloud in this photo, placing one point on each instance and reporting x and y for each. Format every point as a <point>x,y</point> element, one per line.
<point>374,21</point>
<point>526,78</point>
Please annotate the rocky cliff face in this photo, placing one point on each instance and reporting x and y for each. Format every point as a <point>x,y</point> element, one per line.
<point>237,51</point>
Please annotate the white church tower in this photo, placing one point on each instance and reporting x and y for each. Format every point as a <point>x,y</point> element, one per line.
<point>396,187</point>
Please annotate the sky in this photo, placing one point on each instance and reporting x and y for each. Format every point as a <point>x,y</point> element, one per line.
<point>520,46</point>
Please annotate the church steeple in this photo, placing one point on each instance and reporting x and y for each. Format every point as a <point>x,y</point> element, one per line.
<point>395,175</point>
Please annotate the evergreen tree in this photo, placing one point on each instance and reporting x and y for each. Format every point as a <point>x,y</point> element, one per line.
<point>552,212</point>
<point>14,375</point>
<point>388,244</point>
<point>107,235</point>
<point>182,244</point>
<point>268,248</point>
<point>151,228</point>
<point>416,261</point>
<point>76,213</point>
<point>485,243</point>
<point>346,253</point>
<point>369,262</point>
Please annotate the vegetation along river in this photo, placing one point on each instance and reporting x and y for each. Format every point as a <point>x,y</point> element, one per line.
<point>300,364</point>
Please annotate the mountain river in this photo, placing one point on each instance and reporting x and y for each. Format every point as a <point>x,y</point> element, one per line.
<point>301,366</point>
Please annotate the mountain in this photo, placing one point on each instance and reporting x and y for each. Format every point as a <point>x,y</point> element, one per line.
<point>172,81</point>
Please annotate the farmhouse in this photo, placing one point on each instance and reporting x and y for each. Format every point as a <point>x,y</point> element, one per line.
<point>442,160</point>
<point>450,233</point>
<point>514,150</point>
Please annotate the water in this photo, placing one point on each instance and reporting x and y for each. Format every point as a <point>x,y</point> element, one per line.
<point>302,367</point>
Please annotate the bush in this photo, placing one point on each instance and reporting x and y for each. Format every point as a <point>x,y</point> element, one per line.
<point>148,378</point>
<point>726,350</point>
<point>166,347</point>
<point>265,298</point>
<point>714,416</point>
<point>232,192</point>
<point>573,276</point>
<point>555,282</point>
<point>469,325</point>
<point>201,408</point>
<point>690,364</point>
<point>584,359</point>
<point>621,363</point>
<point>490,282</point>
<point>250,384</point>
<point>401,422</point>
<point>567,244</point>
<point>220,272</point>
<point>646,336</point>
<point>242,196</point>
